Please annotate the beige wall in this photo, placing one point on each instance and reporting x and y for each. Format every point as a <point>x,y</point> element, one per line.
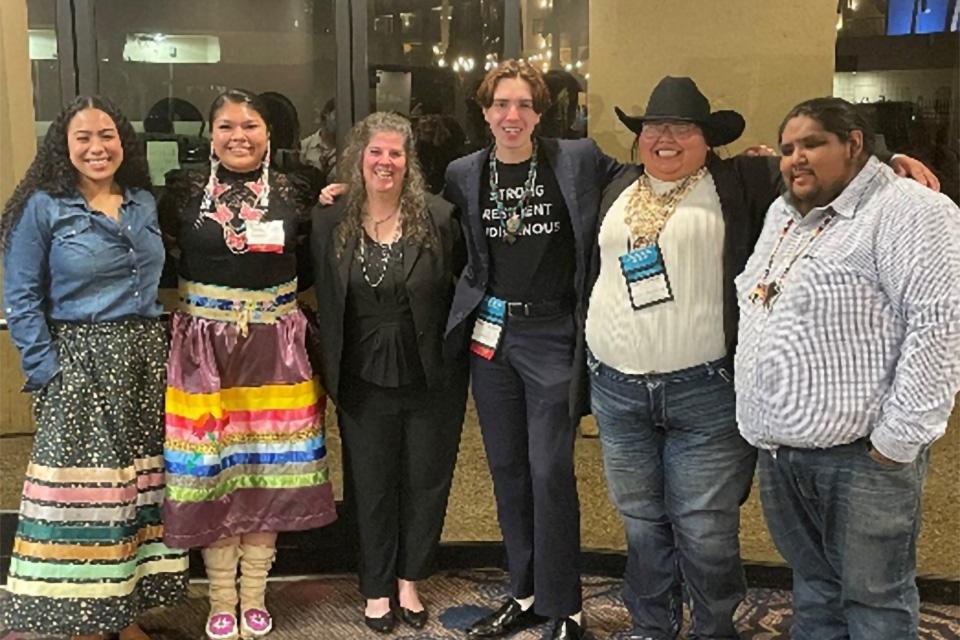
<point>17,146</point>
<point>760,58</point>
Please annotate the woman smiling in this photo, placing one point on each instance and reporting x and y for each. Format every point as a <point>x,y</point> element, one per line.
<point>245,449</point>
<point>82,261</point>
<point>385,258</point>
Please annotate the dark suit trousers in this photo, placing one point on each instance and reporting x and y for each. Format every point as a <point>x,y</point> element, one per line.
<point>400,448</point>
<point>522,398</point>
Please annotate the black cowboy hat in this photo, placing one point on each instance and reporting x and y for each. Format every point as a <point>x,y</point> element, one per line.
<point>680,99</point>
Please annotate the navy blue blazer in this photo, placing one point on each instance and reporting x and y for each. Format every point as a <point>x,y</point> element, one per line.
<point>582,171</point>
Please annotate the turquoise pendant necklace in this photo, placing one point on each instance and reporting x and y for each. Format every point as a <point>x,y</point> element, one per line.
<point>511,218</point>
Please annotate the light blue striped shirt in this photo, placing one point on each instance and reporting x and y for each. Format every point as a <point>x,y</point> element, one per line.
<point>864,338</point>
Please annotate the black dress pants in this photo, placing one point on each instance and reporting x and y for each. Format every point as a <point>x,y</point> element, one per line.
<point>522,398</point>
<point>400,448</point>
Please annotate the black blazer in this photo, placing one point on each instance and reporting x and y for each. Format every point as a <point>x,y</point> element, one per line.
<point>430,276</point>
<point>582,172</point>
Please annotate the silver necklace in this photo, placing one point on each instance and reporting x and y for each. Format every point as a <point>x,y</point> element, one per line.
<point>386,252</point>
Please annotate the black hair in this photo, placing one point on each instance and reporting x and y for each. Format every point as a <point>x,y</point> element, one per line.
<point>240,96</point>
<point>836,116</point>
<point>283,120</point>
<point>53,172</point>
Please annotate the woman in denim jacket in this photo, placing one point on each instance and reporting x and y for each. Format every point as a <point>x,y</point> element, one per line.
<point>82,261</point>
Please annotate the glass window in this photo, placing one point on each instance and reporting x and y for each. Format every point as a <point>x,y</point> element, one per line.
<point>556,38</point>
<point>165,62</point>
<point>908,83</point>
<point>427,58</point>
<point>44,62</point>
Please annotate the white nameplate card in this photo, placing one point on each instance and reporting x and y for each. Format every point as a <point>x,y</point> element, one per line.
<point>265,236</point>
<point>646,278</point>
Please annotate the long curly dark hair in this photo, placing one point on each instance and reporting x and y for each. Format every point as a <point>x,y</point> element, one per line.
<point>413,197</point>
<point>52,171</point>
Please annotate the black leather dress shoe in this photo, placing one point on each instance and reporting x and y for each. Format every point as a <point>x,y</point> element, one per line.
<point>508,618</point>
<point>416,619</point>
<point>383,624</point>
<point>567,629</point>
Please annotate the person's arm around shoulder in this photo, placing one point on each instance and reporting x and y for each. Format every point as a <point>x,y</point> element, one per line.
<point>905,166</point>
<point>444,215</point>
<point>761,179</point>
<point>608,168</point>
<point>323,223</point>
<point>26,281</point>
<point>918,260</point>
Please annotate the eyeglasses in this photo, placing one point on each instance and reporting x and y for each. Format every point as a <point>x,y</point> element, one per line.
<point>679,130</point>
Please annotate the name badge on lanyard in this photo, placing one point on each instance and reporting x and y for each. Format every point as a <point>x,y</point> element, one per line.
<point>645,275</point>
<point>265,236</point>
<point>488,329</point>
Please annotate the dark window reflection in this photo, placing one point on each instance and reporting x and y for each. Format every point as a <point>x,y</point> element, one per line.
<point>909,84</point>
<point>44,61</point>
<point>556,38</point>
<point>428,56</point>
<point>164,62</point>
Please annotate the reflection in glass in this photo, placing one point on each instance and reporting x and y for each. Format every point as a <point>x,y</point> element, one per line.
<point>165,62</point>
<point>909,84</point>
<point>556,38</point>
<point>428,57</point>
<point>44,62</point>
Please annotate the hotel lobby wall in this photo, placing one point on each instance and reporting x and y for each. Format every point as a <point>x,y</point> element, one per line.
<point>17,146</point>
<point>759,58</point>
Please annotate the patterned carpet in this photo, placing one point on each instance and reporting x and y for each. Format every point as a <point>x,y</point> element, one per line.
<point>330,607</point>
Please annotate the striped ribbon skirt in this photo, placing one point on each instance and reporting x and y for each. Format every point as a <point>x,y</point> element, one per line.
<point>88,556</point>
<point>244,449</point>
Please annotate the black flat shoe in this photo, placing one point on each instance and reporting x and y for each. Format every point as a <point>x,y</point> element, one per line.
<point>383,624</point>
<point>510,617</point>
<point>567,629</point>
<point>416,619</point>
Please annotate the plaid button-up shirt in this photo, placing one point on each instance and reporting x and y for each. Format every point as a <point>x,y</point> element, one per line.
<point>864,336</point>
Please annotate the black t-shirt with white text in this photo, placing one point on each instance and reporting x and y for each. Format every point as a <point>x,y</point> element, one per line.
<point>540,265</point>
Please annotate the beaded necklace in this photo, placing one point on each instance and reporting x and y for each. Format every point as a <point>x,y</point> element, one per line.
<point>647,211</point>
<point>386,252</point>
<point>213,208</point>
<point>767,291</point>
<point>511,218</point>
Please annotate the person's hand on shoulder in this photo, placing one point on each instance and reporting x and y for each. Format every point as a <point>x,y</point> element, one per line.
<point>330,193</point>
<point>912,168</point>
<point>759,150</point>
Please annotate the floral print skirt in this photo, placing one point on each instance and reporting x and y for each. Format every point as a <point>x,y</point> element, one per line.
<point>88,556</point>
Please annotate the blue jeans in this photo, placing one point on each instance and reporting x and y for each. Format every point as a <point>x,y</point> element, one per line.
<point>848,527</point>
<point>678,471</point>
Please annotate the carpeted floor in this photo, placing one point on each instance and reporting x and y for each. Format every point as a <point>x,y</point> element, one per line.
<point>471,514</point>
<point>330,607</point>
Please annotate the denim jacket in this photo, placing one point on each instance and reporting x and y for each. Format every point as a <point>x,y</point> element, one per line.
<point>68,263</point>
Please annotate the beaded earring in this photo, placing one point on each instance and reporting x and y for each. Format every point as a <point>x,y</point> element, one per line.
<point>265,177</point>
<point>207,203</point>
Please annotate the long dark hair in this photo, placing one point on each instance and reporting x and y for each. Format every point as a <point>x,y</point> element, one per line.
<point>413,197</point>
<point>52,171</point>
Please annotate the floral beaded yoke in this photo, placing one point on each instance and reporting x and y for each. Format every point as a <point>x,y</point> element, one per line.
<point>204,253</point>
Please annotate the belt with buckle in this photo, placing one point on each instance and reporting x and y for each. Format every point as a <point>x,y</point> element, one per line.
<point>538,309</point>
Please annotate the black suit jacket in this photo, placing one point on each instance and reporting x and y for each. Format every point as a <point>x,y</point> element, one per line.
<point>582,172</point>
<point>430,276</point>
